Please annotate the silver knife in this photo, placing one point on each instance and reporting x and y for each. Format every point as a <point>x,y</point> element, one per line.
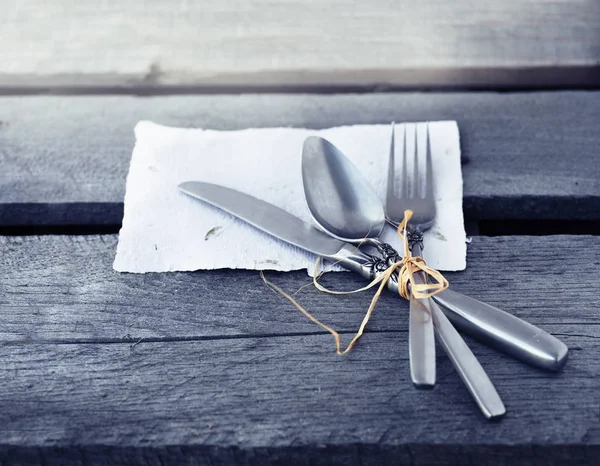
<point>285,226</point>
<point>486,323</point>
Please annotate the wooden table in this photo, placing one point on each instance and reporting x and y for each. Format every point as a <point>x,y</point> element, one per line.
<point>213,368</point>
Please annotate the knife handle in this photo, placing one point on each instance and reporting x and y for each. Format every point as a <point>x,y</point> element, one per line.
<point>486,323</point>
<point>503,331</point>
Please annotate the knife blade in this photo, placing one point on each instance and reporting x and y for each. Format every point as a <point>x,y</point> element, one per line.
<point>266,217</point>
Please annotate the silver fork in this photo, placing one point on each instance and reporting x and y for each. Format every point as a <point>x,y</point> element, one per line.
<point>420,199</point>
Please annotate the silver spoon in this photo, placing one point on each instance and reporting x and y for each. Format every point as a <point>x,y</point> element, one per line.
<point>344,204</point>
<point>340,199</point>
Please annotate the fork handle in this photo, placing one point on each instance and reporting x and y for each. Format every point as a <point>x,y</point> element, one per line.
<point>421,339</point>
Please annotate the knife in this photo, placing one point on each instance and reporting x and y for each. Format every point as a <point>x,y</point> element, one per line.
<point>283,225</point>
<point>486,323</point>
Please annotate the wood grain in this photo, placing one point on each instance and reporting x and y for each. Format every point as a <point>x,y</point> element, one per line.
<point>106,46</point>
<point>532,155</point>
<point>268,401</point>
<point>213,368</point>
<point>63,289</point>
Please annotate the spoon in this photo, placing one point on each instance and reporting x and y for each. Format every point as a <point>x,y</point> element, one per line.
<point>339,209</point>
<point>343,204</point>
<point>340,199</point>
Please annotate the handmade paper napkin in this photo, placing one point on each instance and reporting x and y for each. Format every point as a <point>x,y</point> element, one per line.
<point>165,230</point>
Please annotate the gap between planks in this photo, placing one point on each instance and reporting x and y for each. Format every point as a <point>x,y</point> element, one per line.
<point>183,339</point>
<point>489,228</point>
<point>134,341</point>
<point>503,79</point>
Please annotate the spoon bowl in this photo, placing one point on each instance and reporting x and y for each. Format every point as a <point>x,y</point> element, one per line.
<point>339,198</point>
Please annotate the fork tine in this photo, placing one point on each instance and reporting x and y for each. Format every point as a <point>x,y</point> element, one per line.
<point>417,185</point>
<point>428,169</point>
<point>404,190</point>
<point>391,182</point>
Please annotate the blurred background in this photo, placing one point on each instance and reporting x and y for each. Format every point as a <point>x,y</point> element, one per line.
<point>271,45</point>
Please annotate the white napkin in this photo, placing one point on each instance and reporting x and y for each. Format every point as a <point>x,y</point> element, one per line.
<point>164,230</point>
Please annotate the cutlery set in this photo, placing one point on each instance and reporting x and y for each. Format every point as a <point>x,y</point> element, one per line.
<point>348,214</point>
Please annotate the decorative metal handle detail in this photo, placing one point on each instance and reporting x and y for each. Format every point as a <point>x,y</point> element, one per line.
<point>376,264</point>
<point>414,238</point>
<point>389,254</point>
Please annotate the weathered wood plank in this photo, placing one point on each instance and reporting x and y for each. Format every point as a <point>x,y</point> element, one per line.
<point>63,289</point>
<point>265,44</point>
<point>225,399</point>
<point>233,375</point>
<point>532,155</point>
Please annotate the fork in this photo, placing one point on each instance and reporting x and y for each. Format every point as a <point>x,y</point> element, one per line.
<point>425,314</point>
<point>418,197</point>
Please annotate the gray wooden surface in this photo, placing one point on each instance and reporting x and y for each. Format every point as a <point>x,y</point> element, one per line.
<point>63,46</point>
<point>230,373</point>
<point>532,155</point>
<point>213,368</point>
<point>69,282</point>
